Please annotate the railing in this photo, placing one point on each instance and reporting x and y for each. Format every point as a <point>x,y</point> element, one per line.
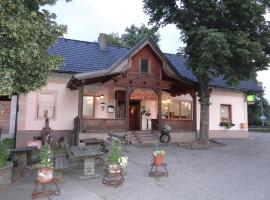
<point>103,124</point>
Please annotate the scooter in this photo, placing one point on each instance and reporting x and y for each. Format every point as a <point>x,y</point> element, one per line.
<point>165,136</point>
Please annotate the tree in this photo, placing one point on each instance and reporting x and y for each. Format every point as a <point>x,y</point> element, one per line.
<point>26,33</point>
<point>223,38</point>
<point>133,35</point>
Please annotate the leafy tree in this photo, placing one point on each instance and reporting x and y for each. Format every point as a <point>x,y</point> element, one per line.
<point>223,38</point>
<point>26,33</point>
<point>133,35</point>
<point>255,111</point>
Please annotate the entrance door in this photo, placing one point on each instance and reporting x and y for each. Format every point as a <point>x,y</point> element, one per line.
<point>134,115</point>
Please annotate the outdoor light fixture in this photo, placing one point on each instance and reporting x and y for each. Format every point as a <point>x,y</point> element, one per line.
<point>168,100</point>
<point>98,97</point>
<point>102,105</point>
<point>102,96</point>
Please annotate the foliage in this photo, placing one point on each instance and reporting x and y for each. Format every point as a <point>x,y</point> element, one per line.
<point>159,152</point>
<point>124,139</point>
<point>26,33</point>
<point>5,146</point>
<point>223,38</point>
<point>114,154</point>
<point>254,111</point>
<point>133,35</point>
<point>45,157</point>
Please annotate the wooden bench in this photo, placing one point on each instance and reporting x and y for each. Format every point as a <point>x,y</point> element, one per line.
<point>24,155</point>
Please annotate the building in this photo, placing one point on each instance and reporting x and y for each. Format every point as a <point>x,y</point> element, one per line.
<point>101,88</point>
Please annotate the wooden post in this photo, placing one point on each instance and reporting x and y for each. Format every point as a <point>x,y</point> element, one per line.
<point>160,124</point>
<point>127,107</point>
<point>80,112</point>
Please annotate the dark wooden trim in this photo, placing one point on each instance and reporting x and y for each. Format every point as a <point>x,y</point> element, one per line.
<point>127,107</point>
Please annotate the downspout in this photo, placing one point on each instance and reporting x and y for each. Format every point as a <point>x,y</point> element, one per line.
<point>16,120</point>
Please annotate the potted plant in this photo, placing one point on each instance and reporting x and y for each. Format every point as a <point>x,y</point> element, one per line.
<point>114,157</point>
<point>158,157</point>
<point>45,166</point>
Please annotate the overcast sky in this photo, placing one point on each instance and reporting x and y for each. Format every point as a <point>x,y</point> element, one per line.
<point>87,18</point>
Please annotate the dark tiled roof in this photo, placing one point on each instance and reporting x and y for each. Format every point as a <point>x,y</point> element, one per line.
<point>81,56</point>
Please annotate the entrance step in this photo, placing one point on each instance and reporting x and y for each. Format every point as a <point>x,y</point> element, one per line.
<point>146,137</point>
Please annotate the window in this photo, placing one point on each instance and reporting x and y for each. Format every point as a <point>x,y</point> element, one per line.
<point>177,109</point>
<point>145,66</point>
<point>225,113</point>
<point>120,104</point>
<point>46,103</point>
<point>88,106</point>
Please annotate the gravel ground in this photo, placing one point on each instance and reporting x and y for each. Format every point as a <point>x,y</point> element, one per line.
<point>240,170</point>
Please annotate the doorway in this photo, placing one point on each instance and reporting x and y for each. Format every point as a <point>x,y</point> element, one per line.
<point>134,115</point>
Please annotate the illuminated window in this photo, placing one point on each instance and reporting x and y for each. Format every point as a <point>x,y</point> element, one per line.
<point>88,106</point>
<point>177,109</point>
<point>225,113</point>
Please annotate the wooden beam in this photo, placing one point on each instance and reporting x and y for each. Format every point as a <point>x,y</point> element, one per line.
<point>127,107</point>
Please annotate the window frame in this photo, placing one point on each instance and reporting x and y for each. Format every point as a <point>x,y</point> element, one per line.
<point>179,103</point>
<point>149,66</point>
<point>54,93</point>
<point>94,107</point>
<point>230,113</point>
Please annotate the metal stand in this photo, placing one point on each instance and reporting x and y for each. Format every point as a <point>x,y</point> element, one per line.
<point>43,192</point>
<point>157,173</point>
<point>113,179</point>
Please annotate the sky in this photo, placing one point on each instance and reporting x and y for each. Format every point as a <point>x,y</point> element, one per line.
<point>87,18</point>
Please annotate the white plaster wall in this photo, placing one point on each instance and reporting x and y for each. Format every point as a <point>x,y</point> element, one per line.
<point>66,105</point>
<point>238,104</point>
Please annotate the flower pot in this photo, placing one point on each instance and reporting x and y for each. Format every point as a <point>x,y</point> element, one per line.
<point>158,160</point>
<point>45,174</point>
<point>114,168</point>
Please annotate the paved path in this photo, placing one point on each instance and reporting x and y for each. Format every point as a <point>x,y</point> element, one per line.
<point>238,171</point>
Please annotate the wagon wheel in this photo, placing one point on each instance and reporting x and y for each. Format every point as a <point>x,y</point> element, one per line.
<point>165,138</point>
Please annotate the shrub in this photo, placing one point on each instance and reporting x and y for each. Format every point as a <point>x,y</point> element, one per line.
<point>5,146</point>
<point>114,154</point>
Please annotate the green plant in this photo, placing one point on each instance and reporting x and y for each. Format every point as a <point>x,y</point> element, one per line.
<point>229,125</point>
<point>45,157</point>
<point>5,146</point>
<point>114,154</point>
<point>159,152</point>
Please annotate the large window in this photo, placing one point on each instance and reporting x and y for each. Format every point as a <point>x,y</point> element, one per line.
<point>145,66</point>
<point>177,110</point>
<point>88,106</point>
<point>225,113</point>
<point>46,104</point>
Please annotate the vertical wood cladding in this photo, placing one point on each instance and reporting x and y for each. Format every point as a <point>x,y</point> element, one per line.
<point>5,116</point>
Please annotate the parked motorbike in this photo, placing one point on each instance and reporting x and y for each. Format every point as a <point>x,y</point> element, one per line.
<point>165,136</point>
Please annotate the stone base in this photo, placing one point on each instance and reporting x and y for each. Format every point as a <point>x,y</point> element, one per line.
<point>6,174</point>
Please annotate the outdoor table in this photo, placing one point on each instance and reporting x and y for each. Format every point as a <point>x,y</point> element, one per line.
<point>88,154</point>
<point>92,141</point>
<point>23,154</point>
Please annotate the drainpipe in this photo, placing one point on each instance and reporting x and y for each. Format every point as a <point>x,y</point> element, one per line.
<point>16,120</point>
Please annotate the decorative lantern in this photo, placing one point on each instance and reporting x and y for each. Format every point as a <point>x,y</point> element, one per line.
<point>102,105</point>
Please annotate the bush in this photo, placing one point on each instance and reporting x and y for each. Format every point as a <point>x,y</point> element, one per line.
<point>5,146</point>
<point>114,154</point>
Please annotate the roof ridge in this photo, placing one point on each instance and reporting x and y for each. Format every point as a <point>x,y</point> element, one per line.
<point>84,41</point>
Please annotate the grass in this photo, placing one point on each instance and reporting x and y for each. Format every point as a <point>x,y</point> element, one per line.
<point>5,146</point>
<point>261,130</point>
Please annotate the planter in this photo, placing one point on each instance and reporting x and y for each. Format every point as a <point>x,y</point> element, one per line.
<point>158,160</point>
<point>45,175</point>
<point>6,174</point>
<point>114,168</point>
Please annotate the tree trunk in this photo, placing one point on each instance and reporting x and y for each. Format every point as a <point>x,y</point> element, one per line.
<point>204,95</point>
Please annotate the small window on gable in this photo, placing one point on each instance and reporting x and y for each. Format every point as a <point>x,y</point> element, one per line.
<point>145,66</point>
<point>46,104</point>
